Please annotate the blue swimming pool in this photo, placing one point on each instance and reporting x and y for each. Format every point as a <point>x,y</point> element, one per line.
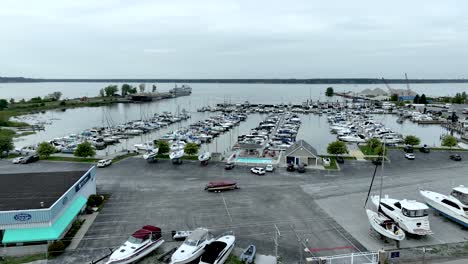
<point>254,160</point>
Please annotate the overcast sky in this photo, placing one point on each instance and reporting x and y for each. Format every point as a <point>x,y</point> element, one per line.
<point>233,39</point>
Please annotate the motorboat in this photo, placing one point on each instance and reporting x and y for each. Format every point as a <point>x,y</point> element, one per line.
<point>144,146</point>
<point>217,186</point>
<point>353,138</point>
<point>385,226</point>
<point>204,156</point>
<point>248,255</point>
<point>176,154</point>
<point>138,245</point>
<point>193,246</point>
<point>151,155</point>
<point>410,215</point>
<point>453,206</point>
<point>219,250</point>
<point>180,235</point>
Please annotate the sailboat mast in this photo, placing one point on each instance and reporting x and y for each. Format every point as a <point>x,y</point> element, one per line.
<point>381,178</point>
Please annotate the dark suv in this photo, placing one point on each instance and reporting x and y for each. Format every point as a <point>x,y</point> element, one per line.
<point>30,159</point>
<point>425,149</point>
<point>408,149</point>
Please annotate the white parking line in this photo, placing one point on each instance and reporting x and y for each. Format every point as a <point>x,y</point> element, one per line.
<point>225,206</point>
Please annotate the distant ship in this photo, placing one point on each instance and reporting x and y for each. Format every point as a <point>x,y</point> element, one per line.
<point>182,90</point>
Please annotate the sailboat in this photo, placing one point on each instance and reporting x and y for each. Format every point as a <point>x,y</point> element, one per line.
<point>379,222</point>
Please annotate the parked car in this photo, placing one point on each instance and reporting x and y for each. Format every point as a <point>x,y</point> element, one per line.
<point>30,159</point>
<point>409,156</point>
<point>408,149</point>
<point>229,166</point>
<point>258,170</point>
<point>425,149</point>
<point>290,167</point>
<point>340,159</point>
<point>269,168</point>
<point>18,160</point>
<point>300,168</point>
<point>456,157</point>
<point>104,163</point>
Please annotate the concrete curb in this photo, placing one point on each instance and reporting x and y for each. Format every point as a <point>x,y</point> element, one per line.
<point>89,220</point>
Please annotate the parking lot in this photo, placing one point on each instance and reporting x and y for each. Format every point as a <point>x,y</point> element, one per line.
<point>323,210</point>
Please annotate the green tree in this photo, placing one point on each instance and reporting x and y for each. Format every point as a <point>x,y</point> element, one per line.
<point>101,93</point>
<point>394,97</point>
<point>191,148</point>
<point>373,143</point>
<point>84,150</point>
<point>412,140</point>
<point>329,91</point>
<point>6,144</point>
<point>125,89</point>
<point>449,141</point>
<point>336,148</point>
<point>416,99</point>
<point>3,104</point>
<point>163,146</point>
<point>45,150</point>
<point>12,100</point>
<point>111,90</point>
<point>423,99</point>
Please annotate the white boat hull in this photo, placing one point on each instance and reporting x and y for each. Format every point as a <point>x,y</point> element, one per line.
<point>375,220</point>
<point>138,255</point>
<point>433,200</point>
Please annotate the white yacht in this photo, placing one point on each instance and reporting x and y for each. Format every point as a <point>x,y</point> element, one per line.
<point>353,138</point>
<point>219,250</point>
<point>138,245</point>
<point>410,215</point>
<point>453,206</point>
<point>193,246</point>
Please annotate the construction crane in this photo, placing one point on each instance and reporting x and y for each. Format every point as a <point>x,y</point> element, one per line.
<point>408,90</point>
<point>388,86</point>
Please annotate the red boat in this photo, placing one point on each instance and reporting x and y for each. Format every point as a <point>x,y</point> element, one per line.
<point>221,186</point>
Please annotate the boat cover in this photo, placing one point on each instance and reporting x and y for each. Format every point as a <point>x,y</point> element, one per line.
<point>146,231</point>
<point>221,183</point>
<point>212,251</point>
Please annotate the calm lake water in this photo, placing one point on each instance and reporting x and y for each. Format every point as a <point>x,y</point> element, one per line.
<point>314,128</point>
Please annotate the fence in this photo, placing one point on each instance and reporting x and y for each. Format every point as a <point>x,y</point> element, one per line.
<point>352,258</point>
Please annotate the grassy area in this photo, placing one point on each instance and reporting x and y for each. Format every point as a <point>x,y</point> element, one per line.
<point>122,157</point>
<point>26,133</point>
<point>334,156</point>
<point>22,108</point>
<point>333,165</point>
<point>166,156</point>
<point>431,148</point>
<point>74,159</point>
<point>22,259</point>
<point>366,150</point>
<point>233,259</point>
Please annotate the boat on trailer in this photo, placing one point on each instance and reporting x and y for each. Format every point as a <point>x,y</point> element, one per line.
<point>217,186</point>
<point>204,157</point>
<point>453,206</point>
<point>139,244</point>
<point>219,250</point>
<point>248,255</point>
<point>193,246</point>
<point>385,226</point>
<point>410,215</point>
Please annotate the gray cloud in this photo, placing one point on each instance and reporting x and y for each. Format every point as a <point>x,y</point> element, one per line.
<point>232,39</point>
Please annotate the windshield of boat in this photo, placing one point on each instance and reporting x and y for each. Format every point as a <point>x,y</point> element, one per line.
<point>414,213</point>
<point>135,240</point>
<point>193,242</point>
<point>462,197</point>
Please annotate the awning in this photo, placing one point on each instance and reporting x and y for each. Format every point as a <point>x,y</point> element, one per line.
<point>46,233</point>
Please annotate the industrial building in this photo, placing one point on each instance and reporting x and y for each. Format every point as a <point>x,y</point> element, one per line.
<point>39,207</point>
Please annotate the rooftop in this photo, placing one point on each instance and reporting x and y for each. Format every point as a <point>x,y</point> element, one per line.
<point>21,191</point>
